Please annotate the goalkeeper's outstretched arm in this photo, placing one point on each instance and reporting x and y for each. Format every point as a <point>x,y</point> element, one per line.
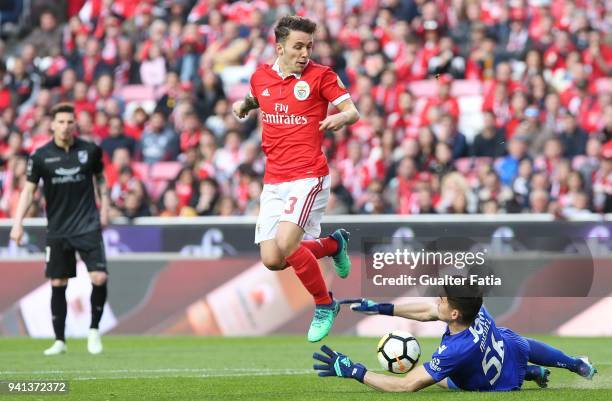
<point>422,311</point>
<point>337,364</point>
<point>415,380</point>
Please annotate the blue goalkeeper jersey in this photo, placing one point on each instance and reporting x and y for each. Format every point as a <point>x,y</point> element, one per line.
<point>482,357</point>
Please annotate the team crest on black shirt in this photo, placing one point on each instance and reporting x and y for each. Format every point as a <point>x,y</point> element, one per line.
<point>82,156</point>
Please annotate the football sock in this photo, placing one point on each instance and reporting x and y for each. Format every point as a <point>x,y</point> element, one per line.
<point>98,298</point>
<point>545,355</point>
<point>321,247</point>
<point>307,269</point>
<point>59,309</point>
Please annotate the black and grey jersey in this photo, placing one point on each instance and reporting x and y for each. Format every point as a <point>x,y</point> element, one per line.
<point>68,186</point>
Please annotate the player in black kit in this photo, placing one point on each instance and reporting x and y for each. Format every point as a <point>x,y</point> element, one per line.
<point>68,166</point>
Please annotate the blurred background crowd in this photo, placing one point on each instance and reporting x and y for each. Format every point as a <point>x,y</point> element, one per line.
<point>518,121</point>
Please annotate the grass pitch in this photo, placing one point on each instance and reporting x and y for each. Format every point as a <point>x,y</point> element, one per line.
<point>268,368</point>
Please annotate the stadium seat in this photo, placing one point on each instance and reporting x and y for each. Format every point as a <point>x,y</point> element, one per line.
<point>463,165</point>
<point>424,88</point>
<point>139,93</point>
<point>164,171</point>
<point>466,87</point>
<point>141,170</point>
<point>460,87</point>
<point>480,161</point>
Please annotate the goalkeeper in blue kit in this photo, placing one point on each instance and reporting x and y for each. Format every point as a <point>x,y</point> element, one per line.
<point>474,354</point>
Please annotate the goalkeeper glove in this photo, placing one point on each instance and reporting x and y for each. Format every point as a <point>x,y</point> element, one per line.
<point>338,364</point>
<point>369,307</point>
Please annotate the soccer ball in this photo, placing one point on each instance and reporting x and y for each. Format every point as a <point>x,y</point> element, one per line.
<point>398,351</point>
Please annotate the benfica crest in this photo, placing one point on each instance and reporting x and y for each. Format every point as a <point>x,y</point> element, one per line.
<point>301,90</point>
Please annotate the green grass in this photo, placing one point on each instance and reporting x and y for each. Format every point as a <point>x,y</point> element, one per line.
<point>267,368</point>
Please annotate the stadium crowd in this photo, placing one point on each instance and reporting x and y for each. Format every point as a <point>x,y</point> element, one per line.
<point>519,119</point>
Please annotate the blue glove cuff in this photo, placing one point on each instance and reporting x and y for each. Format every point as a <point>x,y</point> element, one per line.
<point>360,373</point>
<point>385,309</point>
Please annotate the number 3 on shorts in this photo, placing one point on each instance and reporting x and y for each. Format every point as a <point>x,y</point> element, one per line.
<point>292,202</point>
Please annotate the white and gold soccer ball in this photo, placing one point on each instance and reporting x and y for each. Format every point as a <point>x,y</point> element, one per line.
<point>398,351</point>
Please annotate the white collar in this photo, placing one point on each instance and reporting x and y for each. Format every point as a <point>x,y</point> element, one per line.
<point>276,67</point>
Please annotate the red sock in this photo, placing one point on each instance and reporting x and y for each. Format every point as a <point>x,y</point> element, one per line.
<point>307,269</point>
<point>321,247</point>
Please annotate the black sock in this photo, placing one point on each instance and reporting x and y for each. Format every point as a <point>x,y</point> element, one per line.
<point>58,311</point>
<point>98,298</point>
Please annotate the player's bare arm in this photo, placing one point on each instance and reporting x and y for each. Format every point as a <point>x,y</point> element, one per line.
<point>242,107</point>
<point>102,191</point>
<point>348,115</point>
<point>25,200</point>
<point>415,380</point>
<point>422,312</point>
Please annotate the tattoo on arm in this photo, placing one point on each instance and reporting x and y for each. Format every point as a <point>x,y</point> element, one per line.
<point>101,186</point>
<point>250,102</point>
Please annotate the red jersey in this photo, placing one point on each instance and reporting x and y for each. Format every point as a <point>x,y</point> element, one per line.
<point>291,109</point>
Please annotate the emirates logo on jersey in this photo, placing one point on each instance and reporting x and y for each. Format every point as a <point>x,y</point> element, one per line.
<point>283,119</point>
<point>301,90</point>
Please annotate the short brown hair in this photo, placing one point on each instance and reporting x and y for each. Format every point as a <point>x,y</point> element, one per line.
<point>62,108</point>
<point>293,23</point>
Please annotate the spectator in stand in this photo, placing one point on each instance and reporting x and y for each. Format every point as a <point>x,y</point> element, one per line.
<point>153,67</point>
<point>47,36</point>
<point>447,103</point>
<point>13,184</point>
<point>89,66</point>
<point>539,201</point>
<point>443,163</point>
<point>125,182</point>
<point>159,142</point>
<point>521,186</point>
<point>190,137</point>
<point>400,189</point>
<point>205,201</point>
<point>343,200</point>
<point>491,141</point>
<point>573,137</point>
<point>227,207</point>
<point>135,205</point>
<point>449,134</point>
<point>602,182</point>
<point>373,201</point>
<point>185,186</point>
<point>507,167</point>
<point>117,138</point>
<point>208,93</point>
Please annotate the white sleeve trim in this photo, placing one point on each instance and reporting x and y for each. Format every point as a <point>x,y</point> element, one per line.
<point>341,99</point>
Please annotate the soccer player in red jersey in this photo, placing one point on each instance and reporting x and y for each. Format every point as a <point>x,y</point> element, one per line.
<point>293,96</point>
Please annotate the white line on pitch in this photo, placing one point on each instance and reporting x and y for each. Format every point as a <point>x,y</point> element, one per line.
<point>165,370</point>
<point>203,376</point>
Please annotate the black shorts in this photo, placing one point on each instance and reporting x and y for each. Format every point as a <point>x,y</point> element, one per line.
<point>61,254</point>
